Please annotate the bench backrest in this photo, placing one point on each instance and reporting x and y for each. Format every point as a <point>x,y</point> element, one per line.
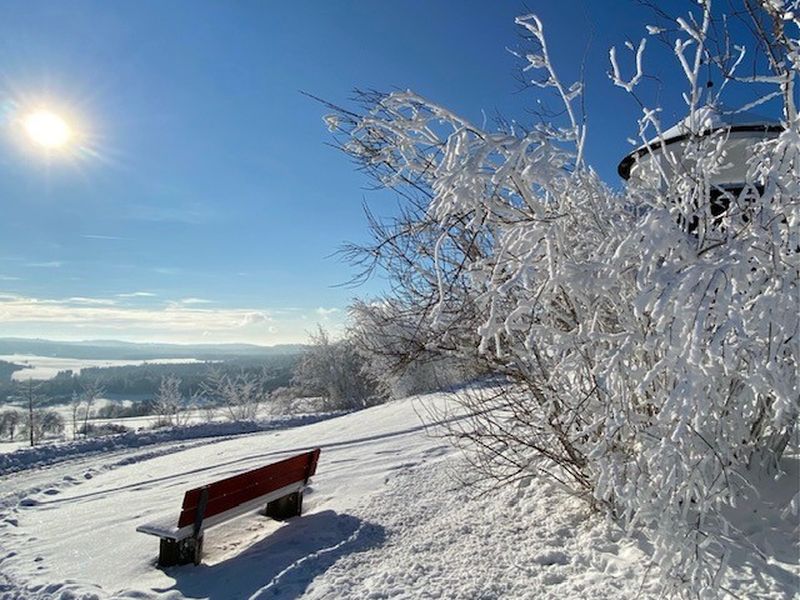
<point>229,493</point>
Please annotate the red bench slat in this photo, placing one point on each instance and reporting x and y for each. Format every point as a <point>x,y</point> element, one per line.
<point>243,480</point>
<point>238,489</point>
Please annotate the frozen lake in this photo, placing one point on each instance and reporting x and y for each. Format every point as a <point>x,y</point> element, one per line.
<point>46,367</point>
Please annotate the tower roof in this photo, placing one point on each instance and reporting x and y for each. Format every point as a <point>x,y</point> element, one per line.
<point>708,118</point>
<point>702,121</point>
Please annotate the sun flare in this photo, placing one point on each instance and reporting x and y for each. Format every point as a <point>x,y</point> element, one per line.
<point>47,129</point>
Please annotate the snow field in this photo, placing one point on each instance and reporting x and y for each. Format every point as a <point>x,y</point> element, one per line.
<point>47,367</point>
<point>76,526</point>
<point>26,457</point>
<point>444,541</point>
<point>385,517</point>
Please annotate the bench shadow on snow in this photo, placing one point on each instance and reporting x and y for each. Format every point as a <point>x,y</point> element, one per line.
<point>283,564</point>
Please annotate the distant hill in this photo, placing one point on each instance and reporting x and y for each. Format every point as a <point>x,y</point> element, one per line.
<point>117,350</point>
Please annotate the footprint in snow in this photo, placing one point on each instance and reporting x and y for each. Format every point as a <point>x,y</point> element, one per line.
<point>564,532</point>
<point>28,502</point>
<point>406,465</point>
<point>553,557</point>
<point>12,522</point>
<point>52,492</point>
<point>553,579</point>
<point>436,451</point>
<point>87,475</point>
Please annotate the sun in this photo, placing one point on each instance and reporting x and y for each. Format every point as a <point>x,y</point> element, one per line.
<point>47,129</point>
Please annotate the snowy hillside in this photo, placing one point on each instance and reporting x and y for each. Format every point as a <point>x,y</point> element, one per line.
<point>385,517</point>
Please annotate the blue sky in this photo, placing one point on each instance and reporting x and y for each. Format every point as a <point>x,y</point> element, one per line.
<point>203,203</point>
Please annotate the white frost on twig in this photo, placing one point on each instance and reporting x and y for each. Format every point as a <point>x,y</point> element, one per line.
<point>616,76</point>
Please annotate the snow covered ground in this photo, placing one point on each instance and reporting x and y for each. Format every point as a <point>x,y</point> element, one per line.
<point>45,454</point>
<point>385,517</point>
<point>47,367</point>
<point>192,417</point>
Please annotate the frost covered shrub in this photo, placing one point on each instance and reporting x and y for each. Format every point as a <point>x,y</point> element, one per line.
<point>45,423</point>
<point>240,394</point>
<point>104,429</point>
<point>334,371</point>
<point>650,342</point>
<point>169,404</point>
<point>388,337</point>
<point>10,423</point>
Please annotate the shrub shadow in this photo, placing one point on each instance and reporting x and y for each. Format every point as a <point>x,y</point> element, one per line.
<point>763,544</point>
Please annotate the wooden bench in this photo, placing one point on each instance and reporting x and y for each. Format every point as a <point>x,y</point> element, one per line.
<point>279,486</point>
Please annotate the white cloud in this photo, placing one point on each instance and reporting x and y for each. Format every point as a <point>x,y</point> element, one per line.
<point>326,312</point>
<point>254,318</point>
<point>53,264</point>
<point>90,301</point>
<point>194,301</point>
<point>81,317</point>
<point>137,295</point>
<point>8,278</point>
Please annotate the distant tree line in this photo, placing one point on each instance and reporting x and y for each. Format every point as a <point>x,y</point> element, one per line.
<point>7,369</point>
<point>144,380</point>
<point>360,368</point>
<point>32,424</point>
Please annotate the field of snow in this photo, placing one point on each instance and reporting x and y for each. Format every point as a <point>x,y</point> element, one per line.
<point>47,367</point>
<point>385,517</point>
<point>191,417</point>
<point>65,410</point>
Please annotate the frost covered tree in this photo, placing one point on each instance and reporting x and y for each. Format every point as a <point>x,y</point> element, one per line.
<point>82,405</point>
<point>649,338</point>
<point>335,371</point>
<point>9,423</point>
<point>43,423</point>
<point>51,422</point>
<point>33,398</point>
<point>75,410</point>
<point>389,338</point>
<point>241,394</point>
<point>168,403</point>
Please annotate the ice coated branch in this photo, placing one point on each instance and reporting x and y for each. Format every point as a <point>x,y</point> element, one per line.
<point>616,76</point>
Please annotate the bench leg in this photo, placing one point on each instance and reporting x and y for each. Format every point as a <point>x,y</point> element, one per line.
<point>180,552</point>
<point>286,507</point>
